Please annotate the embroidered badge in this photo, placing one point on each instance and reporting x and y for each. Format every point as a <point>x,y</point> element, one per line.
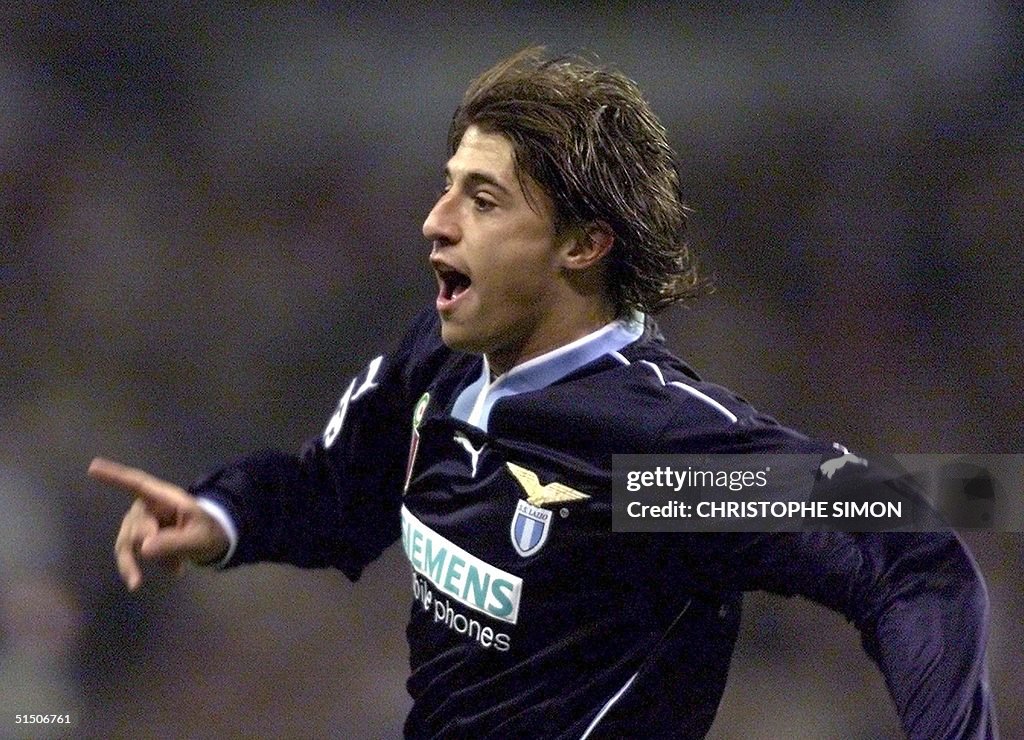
<point>538,495</point>
<point>414,443</point>
<point>530,526</point>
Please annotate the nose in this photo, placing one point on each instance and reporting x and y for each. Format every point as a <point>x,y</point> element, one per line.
<point>441,225</point>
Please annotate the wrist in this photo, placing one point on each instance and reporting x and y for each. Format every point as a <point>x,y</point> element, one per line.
<point>226,533</point>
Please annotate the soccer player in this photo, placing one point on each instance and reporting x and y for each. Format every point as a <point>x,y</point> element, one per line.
<point>483,442</point>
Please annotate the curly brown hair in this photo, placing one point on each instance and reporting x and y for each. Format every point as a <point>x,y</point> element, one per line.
<point>586,135</point>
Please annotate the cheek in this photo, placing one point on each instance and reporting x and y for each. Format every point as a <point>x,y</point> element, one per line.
<point>529,266</point>
<point>516,284</point>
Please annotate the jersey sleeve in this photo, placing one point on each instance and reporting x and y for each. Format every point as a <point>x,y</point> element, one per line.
<point>917,598</point>
<point>337,501</point>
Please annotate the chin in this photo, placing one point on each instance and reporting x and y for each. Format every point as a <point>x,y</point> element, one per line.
<point>459,339</point>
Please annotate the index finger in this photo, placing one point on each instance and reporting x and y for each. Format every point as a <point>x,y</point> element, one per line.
<point>137,482</point>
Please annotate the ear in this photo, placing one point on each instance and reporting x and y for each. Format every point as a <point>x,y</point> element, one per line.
<point>588,246</point>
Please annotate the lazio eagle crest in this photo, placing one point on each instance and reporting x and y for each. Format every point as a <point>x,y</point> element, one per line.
<point>531,523</point>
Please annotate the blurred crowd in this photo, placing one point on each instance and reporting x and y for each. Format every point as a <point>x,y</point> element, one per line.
<point>209,219</point>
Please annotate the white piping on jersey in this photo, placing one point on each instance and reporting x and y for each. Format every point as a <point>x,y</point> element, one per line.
<point>607,706</point>
<point>620,692</point>
<point>656,369</point>
<point>474,403</point>
<point>689,389</point>
<point>706,399</point>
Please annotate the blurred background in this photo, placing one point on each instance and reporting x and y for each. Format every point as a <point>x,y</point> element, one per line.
<point>210,218</point>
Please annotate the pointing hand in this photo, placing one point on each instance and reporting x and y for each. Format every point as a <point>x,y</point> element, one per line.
<point>165,523</point>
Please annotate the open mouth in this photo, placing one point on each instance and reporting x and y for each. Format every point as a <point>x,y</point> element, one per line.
<point>452,283</point>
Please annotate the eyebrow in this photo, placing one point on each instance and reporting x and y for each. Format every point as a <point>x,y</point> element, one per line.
<point>475,177</point>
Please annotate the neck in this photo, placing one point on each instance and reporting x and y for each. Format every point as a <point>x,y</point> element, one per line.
<point>567,327</point>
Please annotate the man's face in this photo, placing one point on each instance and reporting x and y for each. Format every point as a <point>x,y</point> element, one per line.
<point>497,259</point>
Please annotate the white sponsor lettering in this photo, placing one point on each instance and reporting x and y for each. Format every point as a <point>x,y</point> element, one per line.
<point>460,574</point>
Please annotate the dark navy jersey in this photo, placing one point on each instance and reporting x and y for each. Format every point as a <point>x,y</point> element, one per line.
<point>529,615</point>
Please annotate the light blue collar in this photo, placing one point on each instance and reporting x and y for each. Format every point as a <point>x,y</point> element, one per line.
<point>474,403</point>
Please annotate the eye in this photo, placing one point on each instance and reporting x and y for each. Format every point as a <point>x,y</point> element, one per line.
<point>482,204</point>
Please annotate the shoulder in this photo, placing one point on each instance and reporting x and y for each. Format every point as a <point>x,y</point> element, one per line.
<point>685,413</point>
<point>404,372</point>
<point>421,355</point>
<point>422,338</point>
<point>650,368</point>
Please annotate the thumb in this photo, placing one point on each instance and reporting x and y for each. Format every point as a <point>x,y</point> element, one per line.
<point>197,541</point>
